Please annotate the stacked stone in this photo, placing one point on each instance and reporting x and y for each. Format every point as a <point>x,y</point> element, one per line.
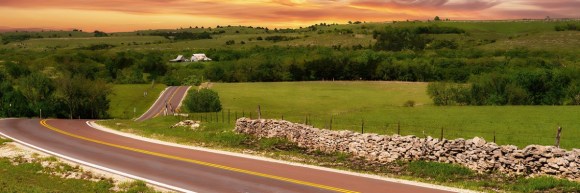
<point>476,153</point>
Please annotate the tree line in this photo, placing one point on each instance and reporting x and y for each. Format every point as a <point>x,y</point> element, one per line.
<point>521,87</point>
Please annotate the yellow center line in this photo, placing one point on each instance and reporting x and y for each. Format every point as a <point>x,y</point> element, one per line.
<point>43,123</point>
<point>170,98</point>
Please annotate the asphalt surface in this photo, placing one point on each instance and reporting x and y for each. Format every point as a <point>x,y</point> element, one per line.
<point>167,103</point>
<point>187,169</point>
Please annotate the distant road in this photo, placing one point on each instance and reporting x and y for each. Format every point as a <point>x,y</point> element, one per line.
<point>168,102</point>
<point>184,169</point>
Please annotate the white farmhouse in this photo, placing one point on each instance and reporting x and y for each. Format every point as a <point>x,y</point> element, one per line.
<point>199,57</point>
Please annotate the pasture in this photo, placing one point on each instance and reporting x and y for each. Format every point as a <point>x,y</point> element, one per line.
<point>495,35</point>
<point>380,105</point>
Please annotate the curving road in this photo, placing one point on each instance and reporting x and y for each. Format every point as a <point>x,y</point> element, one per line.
<point>168,102</point>
<point>184,169</point>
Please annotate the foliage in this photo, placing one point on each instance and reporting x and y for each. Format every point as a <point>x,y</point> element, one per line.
<point>98,47</point>
<point>545,184</point>
<point>184,35</point>
<point>202,100</point>
<point>279,38</point>
<point>448,93</point>
<point>568,26</point>
<point>100,34</point>
<point>36,181</point>
<point>440,172</point>
<point>409,103</point>
<point>397,39</point>
<point>15,38</point>
<point>523,87</point>
<point>436,29</point>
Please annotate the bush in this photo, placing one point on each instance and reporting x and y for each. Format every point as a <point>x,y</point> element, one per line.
<point>204,100</point>
<point>409,103</point>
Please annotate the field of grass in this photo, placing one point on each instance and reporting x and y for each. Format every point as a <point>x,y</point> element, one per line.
<point>128,97</point>
<point>380,105</point>
<point>509,34</point>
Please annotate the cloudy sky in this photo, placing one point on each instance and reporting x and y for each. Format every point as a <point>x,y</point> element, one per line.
<point>125,15</point>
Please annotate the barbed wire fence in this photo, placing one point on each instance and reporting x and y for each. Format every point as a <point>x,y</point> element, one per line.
<point>344,121</point>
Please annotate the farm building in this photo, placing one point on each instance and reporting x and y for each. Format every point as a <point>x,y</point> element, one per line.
<point>179,58</point>
<point>199,57</point>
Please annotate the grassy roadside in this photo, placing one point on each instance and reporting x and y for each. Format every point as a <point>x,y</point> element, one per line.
<point>221,136</point>
<point>129,97</point>
<point>47,174</point>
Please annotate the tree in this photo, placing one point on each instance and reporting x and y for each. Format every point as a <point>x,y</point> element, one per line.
<point>397,39</point>
<point>437,18</point>
<point>203,100</point>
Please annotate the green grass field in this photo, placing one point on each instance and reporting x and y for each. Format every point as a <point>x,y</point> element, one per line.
<point>380,106</point>
<point>508,34</point>
<point>129,97</point>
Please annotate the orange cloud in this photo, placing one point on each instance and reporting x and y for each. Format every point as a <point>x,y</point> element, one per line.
<point>278,13</point>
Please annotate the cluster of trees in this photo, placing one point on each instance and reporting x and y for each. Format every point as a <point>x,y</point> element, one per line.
<point>397,39</point>
<point>279,38</point>
<point>289,64</point>
<point>568,26</point>
<point>521,87</point>
<point>25,92</point>
<point>183,35</point>
<point>16,38</point>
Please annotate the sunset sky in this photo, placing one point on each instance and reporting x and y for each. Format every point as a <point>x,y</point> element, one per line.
<point>128,15</point>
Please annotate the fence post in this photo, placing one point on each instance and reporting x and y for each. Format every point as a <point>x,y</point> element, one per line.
<point>362,126</point>
<point>398,127</point>
<point>494,136</point>
<point>558,137</point>
<point>330,125</point>
<point>282,117</point>
<point>259,112</point>
<point>441,138</point>
<point>243,113</point>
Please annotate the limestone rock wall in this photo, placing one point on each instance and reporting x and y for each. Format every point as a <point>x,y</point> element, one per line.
<point>475,153</point>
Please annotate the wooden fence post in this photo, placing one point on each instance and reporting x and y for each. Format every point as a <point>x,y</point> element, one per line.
<point>441,138</point>
<point>558,137</point>
<point>362,126</point>
<point>398,127</point>
<point>330,125</point>
<point>259,112</point>
<point>494,136</point>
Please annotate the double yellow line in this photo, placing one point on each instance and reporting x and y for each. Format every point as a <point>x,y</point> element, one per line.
<point>43,123</point>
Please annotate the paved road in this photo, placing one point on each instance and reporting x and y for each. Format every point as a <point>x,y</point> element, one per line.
<point>180,168</point>
<point>168,102</point>
<point>191,170</point>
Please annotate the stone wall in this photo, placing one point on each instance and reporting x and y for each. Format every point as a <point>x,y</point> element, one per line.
<point>475,153</point>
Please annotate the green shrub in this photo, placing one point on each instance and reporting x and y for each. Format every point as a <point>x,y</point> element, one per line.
<point>203,100</point>
<point>441,172</point>
<point>409,103</point>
